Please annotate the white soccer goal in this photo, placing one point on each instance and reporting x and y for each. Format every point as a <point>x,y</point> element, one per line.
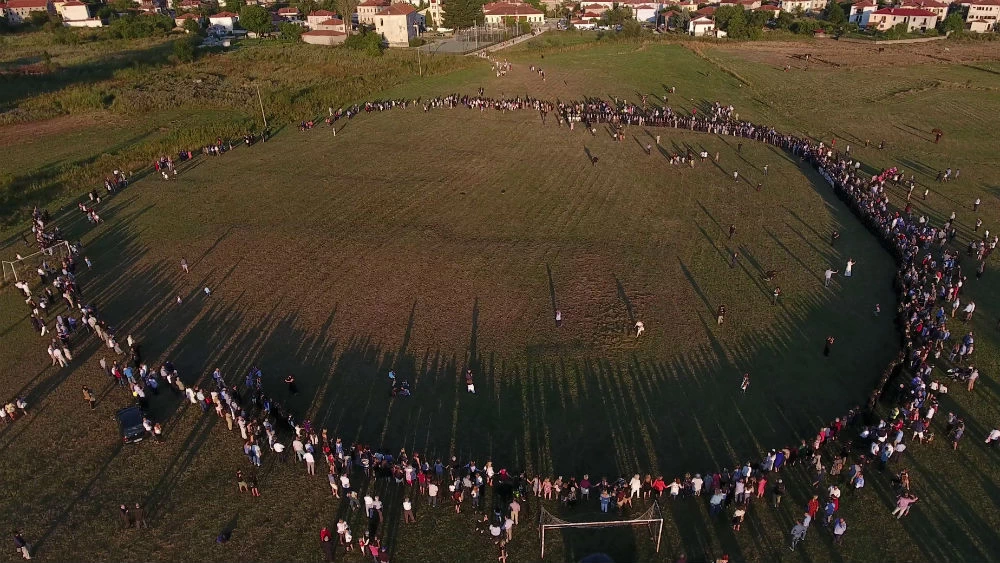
<point>26,266</point>
<point>651,519</point>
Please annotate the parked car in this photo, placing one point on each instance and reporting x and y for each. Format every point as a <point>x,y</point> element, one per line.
<point>130,424</point>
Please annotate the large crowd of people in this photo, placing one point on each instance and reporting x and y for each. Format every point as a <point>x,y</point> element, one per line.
<point>930,284</point>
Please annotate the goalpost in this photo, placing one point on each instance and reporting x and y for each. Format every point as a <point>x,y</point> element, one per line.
<point>24,267</point>
<point>652,519</point>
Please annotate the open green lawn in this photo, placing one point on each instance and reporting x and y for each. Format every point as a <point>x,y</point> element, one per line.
<point>436,242</point>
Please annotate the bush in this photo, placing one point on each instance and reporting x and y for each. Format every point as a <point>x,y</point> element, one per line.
<point>369,43</point>
<point>290,31</point>
<point>134,27</point>
<point>185,48</point>
<point>417,42</point>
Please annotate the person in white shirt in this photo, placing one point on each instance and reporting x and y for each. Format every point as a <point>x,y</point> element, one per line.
<point>635,485</point>
<point>299,449</point>
<point>994,436</point>
<point>408,511</point>
<point>639,328</point>
<point>697,483</point>
<point>432,492</point>
<point>310,463</point>
<point>827,276</point>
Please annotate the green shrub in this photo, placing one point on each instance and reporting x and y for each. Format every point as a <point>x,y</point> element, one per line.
<point>369,43</point>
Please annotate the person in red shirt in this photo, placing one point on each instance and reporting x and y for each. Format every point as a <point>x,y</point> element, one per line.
<point>659,485</point>
<point>813,507</point>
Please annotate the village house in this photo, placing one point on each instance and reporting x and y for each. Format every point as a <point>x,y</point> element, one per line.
<point>397,24</point>
<point>645,12</point>
<point>981,11</point>
<point>290,14</point>
<point>189,5</point>
<point>226,20</point>
<point>793,6</point>
<point>979,26</point>
<point>19,11</point>
<point>181,19</point>
<point>859,9</point>
<point>701,25</point>
<point>686,6</point>
<point>77,14</point>
<point>772,10</point>
<point>501,12</point>
<point>324,37</point>
<point>368,9</point>
<point>916,19</point>
<point>940,9</point>
<point>332,24</point>
<point>318,17</point>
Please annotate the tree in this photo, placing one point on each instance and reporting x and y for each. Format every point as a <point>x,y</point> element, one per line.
<point>256,19</point>
<point>616,16</point>
<point>785,20</point>
<point>835,13</point>
<point>463,13</point>
<point>680,20</point>
<point>38,18</point>
<point>367,41</point>
<point>953,22</point>
<point>290,31</point>
<point>184,48</point>
<point>192,26</point>
<point>235,6</point>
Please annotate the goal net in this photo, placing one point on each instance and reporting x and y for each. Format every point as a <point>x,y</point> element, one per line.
<point>26,267</point>
<point>650,521</point>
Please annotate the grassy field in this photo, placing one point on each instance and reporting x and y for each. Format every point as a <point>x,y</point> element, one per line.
<point>434,242</point>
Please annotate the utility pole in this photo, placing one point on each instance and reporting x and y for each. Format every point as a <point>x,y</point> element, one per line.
<point>261,101</point>
<point>420,71</point>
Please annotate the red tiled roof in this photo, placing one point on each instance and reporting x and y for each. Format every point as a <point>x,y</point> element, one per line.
<point>924,4</point>
<point>591,15</point>
<point>224,15</point>
<point>910,12</point>
<point>324,32</point>
<point>186,17</point>
<point>702,19</point>
<point>15,4</point>
<point>706,11</point>
<point>374,3</point>
<point>514,10</point>
<point>288,11</point>
<point>400,9</point>
<point>322,13</point>
<point>644,7</point>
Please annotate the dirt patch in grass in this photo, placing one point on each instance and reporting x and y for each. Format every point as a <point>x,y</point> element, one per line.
<point>832,53</point>
<point>32,130</point>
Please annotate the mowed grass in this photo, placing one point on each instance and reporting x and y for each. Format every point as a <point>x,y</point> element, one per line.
<point>433,242</point>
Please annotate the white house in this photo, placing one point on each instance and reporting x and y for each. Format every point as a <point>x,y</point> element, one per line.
<point>77,14</point>
<point>701,25</point>
<point>916,19</point>
<point>979,26</point>
<point>19,11</point>
<point>398,24</point>
<point>792,6</point>
<point>858,9</point>
<point>513,12</point>
<point>939,8</point>
<point>319,16</point>
<point>980,11</point>
<point>686,5</point>
<point>324,37</point>
<point>226,20</point>
<point>332,24</point>
<point>645,12</point>
<point>368,9</point>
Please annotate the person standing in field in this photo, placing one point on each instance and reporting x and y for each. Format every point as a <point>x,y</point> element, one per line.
<point>721,317</point>
<point>639,328</point>
<point>184,266</point>
<point>470,385</point>
<point>848,271</point>
<point>745,384</point>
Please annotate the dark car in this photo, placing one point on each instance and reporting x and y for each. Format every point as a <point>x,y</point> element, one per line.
<point>130,424</point>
